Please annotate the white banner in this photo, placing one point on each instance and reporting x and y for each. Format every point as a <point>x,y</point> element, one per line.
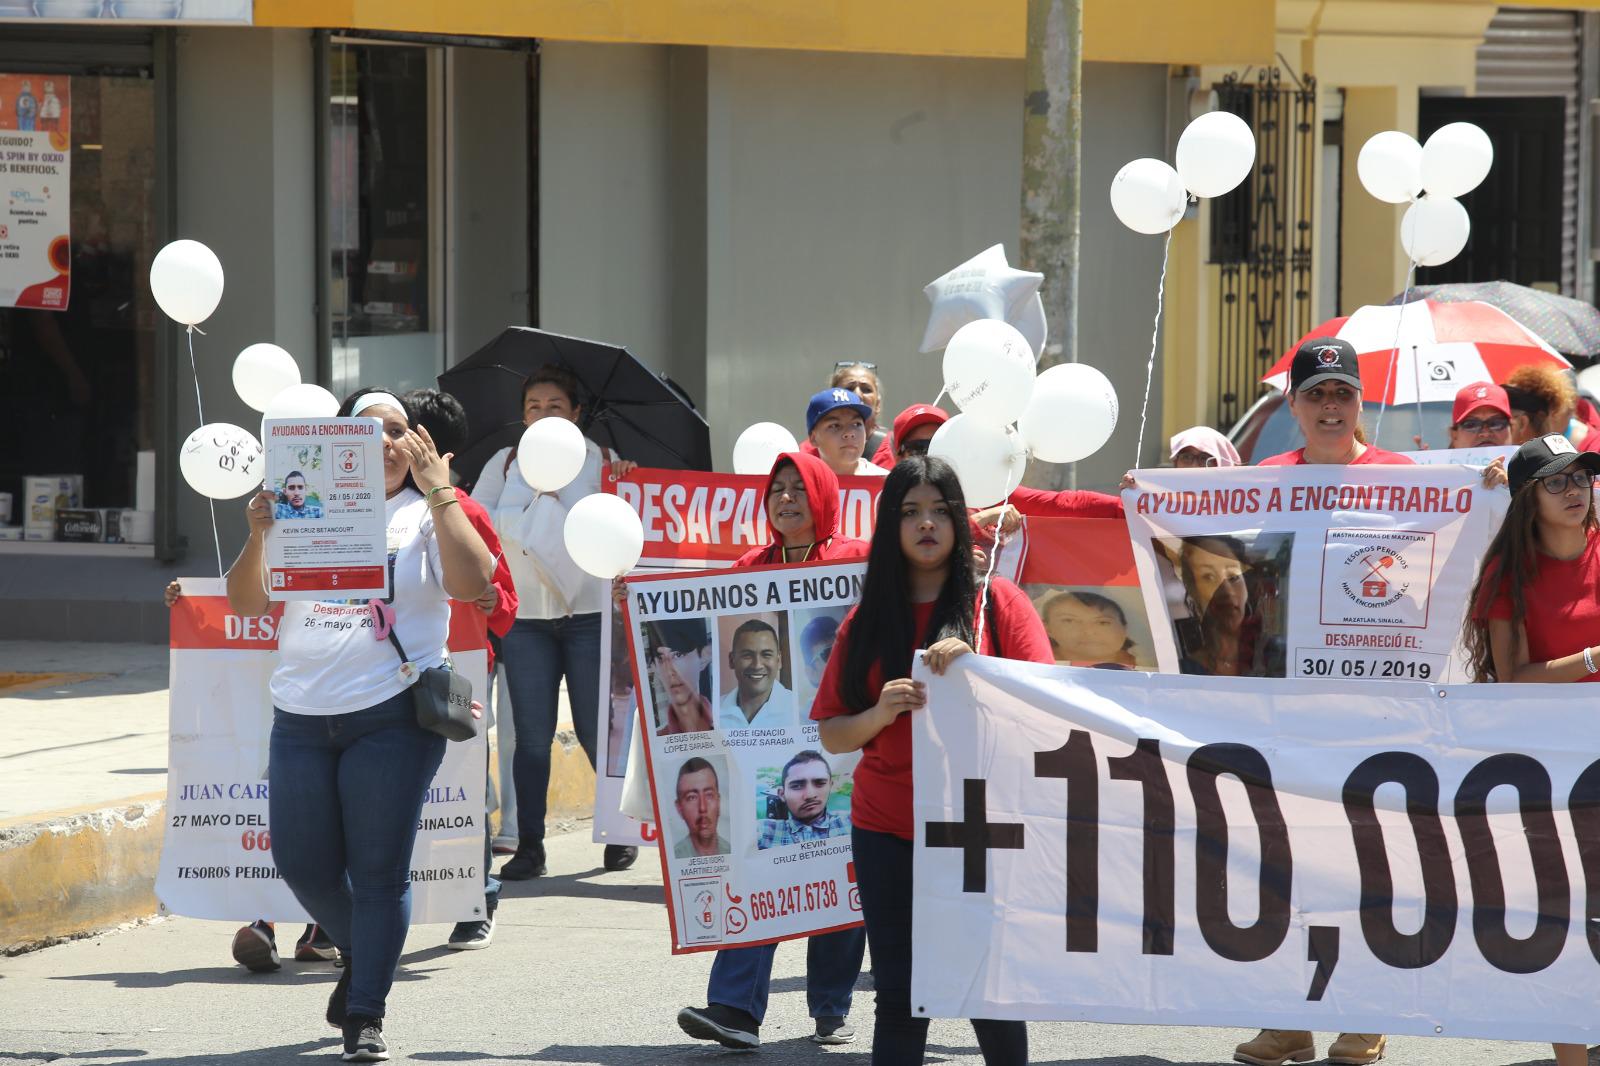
<point>754,816</point>
<point>1310,571</point>
<point>619,717</point>
<point>1339,856</point>
<point>216,860</point>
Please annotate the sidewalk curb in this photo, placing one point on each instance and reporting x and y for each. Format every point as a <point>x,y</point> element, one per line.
<point>68,874</point>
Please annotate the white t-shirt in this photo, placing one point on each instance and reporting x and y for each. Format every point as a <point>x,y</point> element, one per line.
<point>868,468</point>
<point>776,713</point>
<point>328,659</point>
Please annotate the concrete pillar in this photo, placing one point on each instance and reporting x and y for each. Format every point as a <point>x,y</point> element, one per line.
<point>1372,265</point>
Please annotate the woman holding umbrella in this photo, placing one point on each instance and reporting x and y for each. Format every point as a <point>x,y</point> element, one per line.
<point>557,631</point>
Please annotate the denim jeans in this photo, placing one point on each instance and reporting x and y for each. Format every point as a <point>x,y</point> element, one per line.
<point>741,977</point>
<point>537,653</point>
<point>345,793</point>
<point>883,873</point>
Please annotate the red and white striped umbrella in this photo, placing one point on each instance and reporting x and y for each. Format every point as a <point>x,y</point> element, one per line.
<point>1441,347</point>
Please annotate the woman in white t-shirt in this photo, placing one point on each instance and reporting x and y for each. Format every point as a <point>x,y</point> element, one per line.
<point>349,767</point>
<point>559,609</point>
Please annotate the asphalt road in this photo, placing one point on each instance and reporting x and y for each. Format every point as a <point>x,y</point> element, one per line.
<point>579,972</point>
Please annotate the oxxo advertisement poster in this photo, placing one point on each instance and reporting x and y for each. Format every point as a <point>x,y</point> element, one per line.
<point>1359,572</point>
<point>36,164</point>
<point>753,816</point>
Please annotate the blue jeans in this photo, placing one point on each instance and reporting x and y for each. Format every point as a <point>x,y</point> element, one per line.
<point>883,873</point>
<point>345,793</point>
<point>741,977</point>
<point>537,653</point>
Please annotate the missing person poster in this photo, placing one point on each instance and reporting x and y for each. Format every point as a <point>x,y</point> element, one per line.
<point>695,520</point>
<point>216,857</point>
<point>329,537</point>
<point>1082,579</point>
<point>1332,855</point>
<point>754,816</point>
<point>1310,571</point>
<point>36,164</point>
<point>619,704</point>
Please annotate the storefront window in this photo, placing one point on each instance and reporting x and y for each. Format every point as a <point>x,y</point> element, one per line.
<point>77,383</point>
<point>385,288</point>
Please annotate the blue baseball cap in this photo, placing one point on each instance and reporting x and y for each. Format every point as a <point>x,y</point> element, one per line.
<point>831,400</point>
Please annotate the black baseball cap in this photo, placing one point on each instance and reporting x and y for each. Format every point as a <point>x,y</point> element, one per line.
<point>1546,455</point>
<point>1322,359</point>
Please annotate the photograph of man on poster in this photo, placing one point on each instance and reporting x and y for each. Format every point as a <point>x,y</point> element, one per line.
<point>754,695</point>
<point>680,657</point>
<point>805,789</point>
<point>698,801</point>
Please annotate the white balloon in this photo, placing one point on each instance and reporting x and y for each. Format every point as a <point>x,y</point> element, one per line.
<point>1216,153</point>
<point>1032,324</point>
<point>988,371</point>
<point>1456,159</point>
<point>988,459</point>
<point>759,446</point>
<point>186,280</point>
<point>551,453</point>
<point>262,371</point>
<point>603,533</point>
<point>1070,415</point>
<point>1148,196</point>
<point>985,286</point>
<point>302,401</point>
<point>1434,230</point>
<point>1390,166</point>
<point>221,461</point>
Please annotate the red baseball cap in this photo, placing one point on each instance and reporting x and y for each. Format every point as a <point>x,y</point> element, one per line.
<point>918,414</point>
<point>1480,394</point>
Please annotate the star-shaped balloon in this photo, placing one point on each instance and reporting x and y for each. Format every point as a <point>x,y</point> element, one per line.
<point>985,286</point>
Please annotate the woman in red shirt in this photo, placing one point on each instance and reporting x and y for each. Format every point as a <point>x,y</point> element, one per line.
<point>920,592</point>
<point>1547,553</point>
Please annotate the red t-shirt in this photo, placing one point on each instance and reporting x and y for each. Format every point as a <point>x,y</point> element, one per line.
<point>1068,503</point>
<point>1373,455</point>
<point>881,800</point>
<point>1561,605</point>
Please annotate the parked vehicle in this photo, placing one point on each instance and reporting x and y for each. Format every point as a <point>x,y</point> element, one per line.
<point>1268,428</point>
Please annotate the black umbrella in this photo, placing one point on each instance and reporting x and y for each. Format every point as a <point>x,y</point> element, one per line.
<point>637,413</point>
<point>1570,326</point>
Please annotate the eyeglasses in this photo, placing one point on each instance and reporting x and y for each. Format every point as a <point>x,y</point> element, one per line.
<point>1556,484</point>
<point>841,364</point>
<point>914,447</point>
<point>1478,425</point>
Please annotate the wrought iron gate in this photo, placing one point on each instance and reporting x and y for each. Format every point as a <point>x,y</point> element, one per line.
<point>1261,238</point>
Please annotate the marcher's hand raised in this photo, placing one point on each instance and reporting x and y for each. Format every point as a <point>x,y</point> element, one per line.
<point>621,468</point>
<point>901,695</point>
<point>259,512</point>
<point>1494,475</point>
<point>944,652</point>
<point>429,469</point>
<point>1127,482</point>
<point>1006,517</point>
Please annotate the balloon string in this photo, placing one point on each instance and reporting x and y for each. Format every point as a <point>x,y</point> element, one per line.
<point>1150,366</point>
<point>983,598</point>
<point>1394,357</point>
<point>216,538</point>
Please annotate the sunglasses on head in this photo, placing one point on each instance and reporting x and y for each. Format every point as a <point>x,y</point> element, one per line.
<point>1556,484</point>
<point>841,364</point>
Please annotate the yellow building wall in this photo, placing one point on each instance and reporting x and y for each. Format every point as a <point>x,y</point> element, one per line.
<point>1123,31</point>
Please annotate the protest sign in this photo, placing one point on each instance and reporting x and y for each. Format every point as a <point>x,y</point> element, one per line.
<point>1345,856</point>
<point>36,161</point>
<point>1310,571</point>
<point>695,520</point>
<point>328,536</point>
<point>216,859</point>
<point>1080,575</point>
<point>1475,457</point>
<point>618,718</point>
<point>754,816</point>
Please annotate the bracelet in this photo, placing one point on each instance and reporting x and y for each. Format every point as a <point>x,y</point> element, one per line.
<point>443,503</point>
<point>1588,661</point>
<point>439,488</point>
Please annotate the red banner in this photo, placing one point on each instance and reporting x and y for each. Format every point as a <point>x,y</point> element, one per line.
<point>693,519</point>
<point>201,620</point>
<point>1080,574</point>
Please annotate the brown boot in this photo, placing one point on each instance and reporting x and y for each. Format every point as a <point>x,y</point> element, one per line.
<point>1357,1049</point>
<point>1274,1047</point>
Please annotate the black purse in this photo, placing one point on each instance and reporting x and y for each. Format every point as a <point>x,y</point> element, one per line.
<point>442,698</point>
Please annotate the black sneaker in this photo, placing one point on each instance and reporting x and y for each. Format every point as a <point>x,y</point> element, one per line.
<point>728,1026</point>
<point>620,856</point>
<point>255,947</point>
<point>471,936</point>
<point>833,1029</point>
<point>314,945</point>
<point>363,1040</point>
<point>525,865</point>
<point>339,1000</point>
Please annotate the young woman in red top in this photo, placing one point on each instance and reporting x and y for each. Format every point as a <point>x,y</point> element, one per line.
<point>1547,553</point>
<point>920,592</point>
